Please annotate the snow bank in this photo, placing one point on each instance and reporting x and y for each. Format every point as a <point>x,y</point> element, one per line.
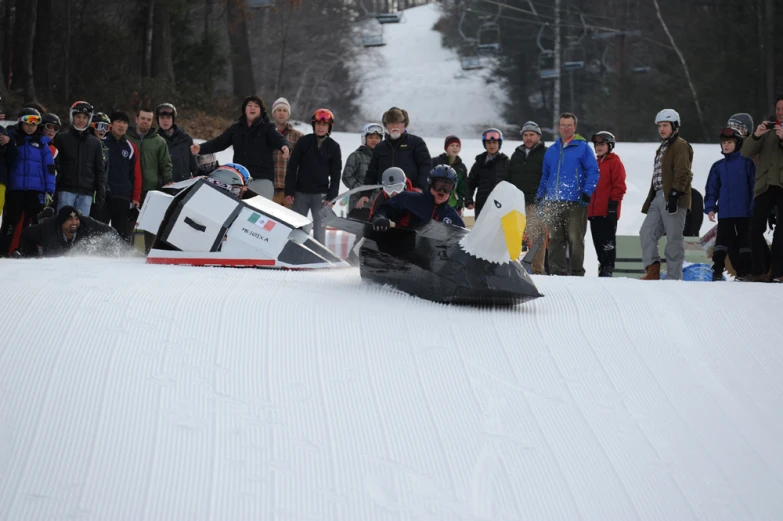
<point>133,392</point>
<point>414,71</point>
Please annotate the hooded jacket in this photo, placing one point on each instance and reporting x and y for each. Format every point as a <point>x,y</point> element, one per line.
<point>82,168</point>
<point>569,171</point>
<point>525,170</point>
<point>729,190</point>
<point>485,175</point>
<point>611,186</point>
<point>33,168</point>
<point>155,158</point>
<point>184,164</point>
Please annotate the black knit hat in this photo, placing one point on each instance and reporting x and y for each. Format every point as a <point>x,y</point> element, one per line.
<point>66,212</point>
<point>254,99</point>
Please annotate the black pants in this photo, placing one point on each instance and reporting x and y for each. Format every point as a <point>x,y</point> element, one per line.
<point>114,211</point>
<point>733,239</point>
<point>604,231</point>
<point>763,205</point>
<point>18,203</point>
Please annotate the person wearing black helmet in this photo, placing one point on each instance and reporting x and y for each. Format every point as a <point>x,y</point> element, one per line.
<point>82,174</point>
<point>254,138</point>
<point>411,209</point>
<point>184,165</point>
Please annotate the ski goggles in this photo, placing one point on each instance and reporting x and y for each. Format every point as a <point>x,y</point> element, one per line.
<point>492,135</point>
<point>396,188</point>
<point>324,116</point>
<point>598,140</point>
<point>727,132</point>
<point>375,129</point>
<point>170,114</point>
<point>30,119</point>
<point>101,126</point>
<point>443,186</point>
<point>52,126</point>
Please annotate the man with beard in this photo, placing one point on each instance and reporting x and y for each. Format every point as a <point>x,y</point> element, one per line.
<point>400,149</point>
<point>281,113</point>
<point>56,236</point>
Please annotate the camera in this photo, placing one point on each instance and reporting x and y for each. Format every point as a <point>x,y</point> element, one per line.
<point>770,123</point>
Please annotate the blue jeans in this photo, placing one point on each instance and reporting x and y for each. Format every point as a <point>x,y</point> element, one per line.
<point>83,203</point>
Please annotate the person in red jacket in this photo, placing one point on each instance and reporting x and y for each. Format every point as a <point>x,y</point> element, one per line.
<point>604,209</point>
<point>394,182</point>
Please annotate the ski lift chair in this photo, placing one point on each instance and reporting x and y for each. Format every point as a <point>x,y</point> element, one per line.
<point>488,38</point>
<point>389,18</point>
<point>373,40</point>
<point>573,58</point>
<point>642,59</point>
<point>470,63</point>
<point>257,4</point>
<point>546,66</point>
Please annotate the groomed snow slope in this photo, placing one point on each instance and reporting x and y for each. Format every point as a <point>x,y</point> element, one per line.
<point>132,392</point>
<point>414,71</point>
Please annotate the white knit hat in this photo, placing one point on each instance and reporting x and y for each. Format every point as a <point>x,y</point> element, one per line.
<point>281,102</point>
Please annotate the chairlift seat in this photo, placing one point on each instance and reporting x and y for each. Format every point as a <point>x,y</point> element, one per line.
<point>470,63</point>
<point>257,4</point>
<point>549,74</point>
<point>573,65</point>
<point>488,48</point>
<point>373,40</point>
<point>389,18</point>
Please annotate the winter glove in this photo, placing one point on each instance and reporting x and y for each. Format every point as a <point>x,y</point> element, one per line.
<point>613,208</point>
<point>380,223</point>
<point>674,201</point>
<point>584,199</point>
<point>48,199</point>
<point>772,220</point>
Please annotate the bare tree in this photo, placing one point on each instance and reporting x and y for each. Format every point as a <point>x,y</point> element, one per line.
<point>162,62</point>
<point>241,65</point>
<point>149,29</point>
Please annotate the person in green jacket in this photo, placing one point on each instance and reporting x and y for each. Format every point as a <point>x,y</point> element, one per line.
<point>452,147</point>
<point>155,160</point>
<point>525,170</point>
<point>767,143</point>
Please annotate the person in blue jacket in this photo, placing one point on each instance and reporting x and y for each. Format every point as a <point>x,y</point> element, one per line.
<point>31,179</point>
<point>411,209</point>
<point>569,177</point>
<point>729,194</point>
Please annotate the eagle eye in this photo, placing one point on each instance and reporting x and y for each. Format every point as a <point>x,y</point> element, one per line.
<point>497,204</point>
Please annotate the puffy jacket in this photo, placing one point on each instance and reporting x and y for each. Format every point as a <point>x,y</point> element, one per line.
<point>7,157</point>
<point>569,171</point>
<point>314,168</point>
<point>729,190</point>
<point>457,199</point>
<point>769,169</point>
<point>253,145</point>
<point>46,239</point>
<point>611,186</point>
<point>82,168</point>
<point>675,172</point>
<point>409,153</point>
<point>409,209</point>
<point>355,169</point>
<point>184,164</point>
<point>525,170</point>
<point>485,175</point>
<point>33,168</point>
<point>155,159</point>
<point>123,168</point>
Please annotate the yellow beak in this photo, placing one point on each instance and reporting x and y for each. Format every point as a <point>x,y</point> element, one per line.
<point>514,223</point>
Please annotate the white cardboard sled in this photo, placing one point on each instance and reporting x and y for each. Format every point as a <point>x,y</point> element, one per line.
<point>203,225</point>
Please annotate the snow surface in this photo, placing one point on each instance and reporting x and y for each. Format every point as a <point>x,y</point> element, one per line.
<point>416,72</point>
<point>130,391</point>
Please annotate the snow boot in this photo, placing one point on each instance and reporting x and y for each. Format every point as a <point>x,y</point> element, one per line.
<point>653,272</point>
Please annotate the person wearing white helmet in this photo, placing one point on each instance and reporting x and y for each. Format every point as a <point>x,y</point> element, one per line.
<point>357,163</point>
<point>668,201</point>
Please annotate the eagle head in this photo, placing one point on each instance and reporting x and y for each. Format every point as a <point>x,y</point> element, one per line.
<point>497,234</point>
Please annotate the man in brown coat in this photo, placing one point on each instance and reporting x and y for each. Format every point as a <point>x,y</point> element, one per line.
<point>767,142</point>
<point>669,200</point>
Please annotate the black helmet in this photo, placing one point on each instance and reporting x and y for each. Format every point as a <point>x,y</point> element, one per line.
<point>81,107</point>
<point>605,137</point>
<point>166,108</point>
<point>51,118</point>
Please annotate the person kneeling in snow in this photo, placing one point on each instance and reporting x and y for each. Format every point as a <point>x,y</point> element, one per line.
<point>410,209</point>
<point>56,236</point>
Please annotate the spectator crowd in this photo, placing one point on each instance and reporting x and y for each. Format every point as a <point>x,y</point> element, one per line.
<point>97,172</point>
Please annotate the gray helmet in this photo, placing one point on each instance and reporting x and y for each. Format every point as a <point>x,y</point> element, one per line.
<point>228,179</point>
<point>393,180</point>
<point>207,163</point>
<point>742,123</point>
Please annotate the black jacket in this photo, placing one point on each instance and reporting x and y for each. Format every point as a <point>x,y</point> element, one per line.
<point>123,165</point>
<point>253,146</point>
<point>314,169</point>
<point>409,153</point>
<point>484,176</point>
<point>183,163</point>
<point>7,156</point>
<point>81,169</point>
<point>525,170</point>
<point>47,240</point>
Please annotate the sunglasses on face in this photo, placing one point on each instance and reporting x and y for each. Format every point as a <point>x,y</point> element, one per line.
<point>32,120</point>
